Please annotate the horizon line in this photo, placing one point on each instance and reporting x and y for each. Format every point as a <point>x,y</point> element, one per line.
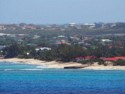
<point>62,23</point>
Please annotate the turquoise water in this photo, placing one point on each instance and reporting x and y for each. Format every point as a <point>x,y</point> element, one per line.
<point>14,66</point>
<point>29,79</point>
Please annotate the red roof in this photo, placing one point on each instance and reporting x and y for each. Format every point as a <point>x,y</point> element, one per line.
<point>114,58</point>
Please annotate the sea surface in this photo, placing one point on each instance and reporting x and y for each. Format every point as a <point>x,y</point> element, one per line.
<point>30,79</point>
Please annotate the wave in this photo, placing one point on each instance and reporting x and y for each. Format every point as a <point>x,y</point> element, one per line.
<point>20,69</point>
<point>43,66</point>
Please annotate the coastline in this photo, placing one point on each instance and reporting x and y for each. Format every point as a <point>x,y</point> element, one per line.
<point>45,64</point>
<point>55,64</point>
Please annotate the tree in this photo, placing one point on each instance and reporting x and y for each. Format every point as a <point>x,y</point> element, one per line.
<point>69,53</point>
<point>12,51</point>
<point>119,62</point>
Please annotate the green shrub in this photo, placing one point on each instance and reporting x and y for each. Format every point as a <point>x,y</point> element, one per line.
<point>119,62</point>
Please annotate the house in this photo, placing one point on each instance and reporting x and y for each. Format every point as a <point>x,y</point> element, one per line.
<point>2,27</point>
<point>109,59</point>
<point>43,48</point>
<point>113,58</point>
<point>81,58</point>
<point>106,40</point>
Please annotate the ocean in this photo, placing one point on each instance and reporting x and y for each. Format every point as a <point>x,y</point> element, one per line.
<point>31,79</point>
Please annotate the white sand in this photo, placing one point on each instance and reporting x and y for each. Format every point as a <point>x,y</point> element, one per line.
<point>55,64</point>
<point>52,64</point>
<point>101,67</point>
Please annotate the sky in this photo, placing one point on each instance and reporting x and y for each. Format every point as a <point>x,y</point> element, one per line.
<point>61,11</point>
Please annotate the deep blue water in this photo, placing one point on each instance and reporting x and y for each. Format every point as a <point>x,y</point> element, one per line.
<point>28,79</point>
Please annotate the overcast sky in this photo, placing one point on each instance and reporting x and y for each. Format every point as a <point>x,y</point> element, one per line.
<point>61,11</point>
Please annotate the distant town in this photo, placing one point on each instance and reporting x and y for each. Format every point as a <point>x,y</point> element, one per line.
<point>67,42</point>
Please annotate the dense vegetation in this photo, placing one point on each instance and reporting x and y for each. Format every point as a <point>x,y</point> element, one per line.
<point>119,63</point>
<point>63,53</point>
<point>79,42</point>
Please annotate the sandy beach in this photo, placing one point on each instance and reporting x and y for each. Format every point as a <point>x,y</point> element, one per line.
<point>101,67</point>
<point>55,64</point>
<point>51,64</point>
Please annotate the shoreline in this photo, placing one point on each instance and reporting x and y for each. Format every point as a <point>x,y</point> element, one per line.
<point>61,65</point>
<point>46,64</point>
